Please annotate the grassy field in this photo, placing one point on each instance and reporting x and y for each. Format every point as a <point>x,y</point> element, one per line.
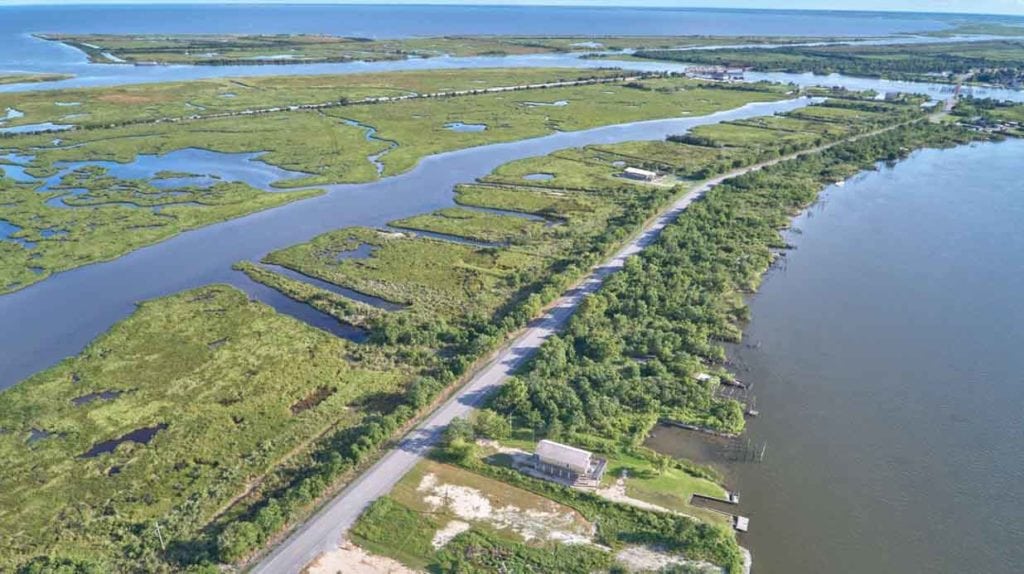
<point>479,226</point>
<point>238,387</point>
<point>281,49</point>
<point>441,277</point>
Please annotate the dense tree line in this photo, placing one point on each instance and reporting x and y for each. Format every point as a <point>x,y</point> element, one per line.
<point>897,62</point>
<point>631,353</point>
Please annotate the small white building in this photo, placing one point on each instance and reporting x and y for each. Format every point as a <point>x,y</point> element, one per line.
<point>566,462</point>
<point>639,174</point>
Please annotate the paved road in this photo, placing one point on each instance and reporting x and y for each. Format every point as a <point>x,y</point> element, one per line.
<point>324,531</point>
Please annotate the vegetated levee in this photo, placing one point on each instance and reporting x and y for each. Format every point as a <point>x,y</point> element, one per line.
<point>32,78</point>
<point>997,62</point>
<point>111,216</point>
<point>462,299</point>
<point>284,49</point>
<point>265,414</point>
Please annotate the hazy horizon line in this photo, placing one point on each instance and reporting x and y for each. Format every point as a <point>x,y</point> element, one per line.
<point>651,4</point>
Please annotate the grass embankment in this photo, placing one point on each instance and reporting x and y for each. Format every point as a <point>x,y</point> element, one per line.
<point>283,49</point>
<point>989,62</point>
<point>318,143</point>
<point>621,367</point>
<point>238,387</point>
<point>32,78</point>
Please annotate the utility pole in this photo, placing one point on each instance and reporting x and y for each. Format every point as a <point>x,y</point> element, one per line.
<point>159,535</point>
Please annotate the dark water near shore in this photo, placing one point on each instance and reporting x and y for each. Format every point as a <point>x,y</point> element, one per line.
<point>884,354</point>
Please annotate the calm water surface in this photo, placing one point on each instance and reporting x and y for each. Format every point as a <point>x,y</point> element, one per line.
<point>885,357</point>
<point>24,53</point>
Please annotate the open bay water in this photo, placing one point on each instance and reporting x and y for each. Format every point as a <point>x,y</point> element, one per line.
<point>884,354</point>
<point>21,52</point>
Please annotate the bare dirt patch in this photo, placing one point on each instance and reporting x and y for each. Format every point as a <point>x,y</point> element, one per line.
<point>351,559</point>
<point>530,517</point>
<point>647,559</point>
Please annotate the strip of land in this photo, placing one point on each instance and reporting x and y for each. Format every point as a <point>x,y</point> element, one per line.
<point>284,49</point>
<point>990,62</point>
<point>32,78</point>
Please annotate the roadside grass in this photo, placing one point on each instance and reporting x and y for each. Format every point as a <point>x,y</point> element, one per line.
<point>388,528</point>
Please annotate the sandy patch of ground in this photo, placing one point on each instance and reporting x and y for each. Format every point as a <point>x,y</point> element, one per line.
<point>351,559</point>
<point>647,559</point>
<point>451,530</point>
<point>470,504</point>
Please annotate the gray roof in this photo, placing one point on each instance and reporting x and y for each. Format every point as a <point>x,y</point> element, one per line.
<point>563,454</point>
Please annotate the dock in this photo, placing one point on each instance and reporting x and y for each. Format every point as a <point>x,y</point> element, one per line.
<point>731,498</point>
<point>741,523</point>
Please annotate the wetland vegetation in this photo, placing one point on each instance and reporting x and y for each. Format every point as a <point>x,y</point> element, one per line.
<point>283,49</point>
<point>216,422</point>
<point>113,215</point>
<point>995,62</point>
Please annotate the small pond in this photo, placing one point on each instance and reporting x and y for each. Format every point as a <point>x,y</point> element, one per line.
<point>140,436</point>
<point>557,104</point>
<point>100,396</point>
<point>7,229</point>
<point>10,114</point>
<point>539,176</point>
<point>461,127</point>
<point>362,251</point>
<point>36,128</point>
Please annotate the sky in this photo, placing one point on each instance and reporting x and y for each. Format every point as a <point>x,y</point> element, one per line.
<point>1015,7</point>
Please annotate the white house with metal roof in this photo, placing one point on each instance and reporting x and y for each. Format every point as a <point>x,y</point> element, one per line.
<point>561,461</point>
